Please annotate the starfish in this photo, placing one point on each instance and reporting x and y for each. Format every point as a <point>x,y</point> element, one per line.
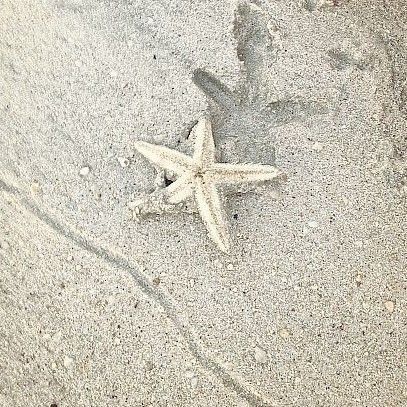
<point>198,176</point>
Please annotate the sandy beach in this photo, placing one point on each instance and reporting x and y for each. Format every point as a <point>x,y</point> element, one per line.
<point>288,291</point>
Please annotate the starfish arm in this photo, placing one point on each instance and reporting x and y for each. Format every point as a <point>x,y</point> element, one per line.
<point>164,157</point>
<point>180,190</point>
<point>204,145</point>
<point>238,173</point>
<point>210,208</point>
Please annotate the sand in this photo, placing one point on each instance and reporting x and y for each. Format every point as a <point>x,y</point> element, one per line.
<point>309,307</point>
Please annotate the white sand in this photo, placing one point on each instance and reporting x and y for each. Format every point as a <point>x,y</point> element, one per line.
<point>309,307</point>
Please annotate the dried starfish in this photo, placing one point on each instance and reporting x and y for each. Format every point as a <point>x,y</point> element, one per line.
<point>199,175</point>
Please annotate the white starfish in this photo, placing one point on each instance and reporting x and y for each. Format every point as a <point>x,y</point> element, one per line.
<point>199,175</point>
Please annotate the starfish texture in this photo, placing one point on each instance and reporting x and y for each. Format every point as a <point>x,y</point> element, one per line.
<point>197,177</point>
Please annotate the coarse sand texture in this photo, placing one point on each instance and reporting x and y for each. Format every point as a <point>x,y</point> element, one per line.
<point>203,203</point>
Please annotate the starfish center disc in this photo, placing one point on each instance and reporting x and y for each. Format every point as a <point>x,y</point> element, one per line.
<point>198,171</point>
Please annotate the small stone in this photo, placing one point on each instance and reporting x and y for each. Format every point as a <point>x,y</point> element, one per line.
<point>230,267</point>
<point>124,162</point>
<point>389,306</point>
<point>68,361</point>
<point>194,382</point>
<point>117,341</point>
<point>313,224</point>
<point>317,146</point>
<point>156,280</point>
<point>84,171</point>
<point>284,333</point>
<point>97,194</point>
<point>358,280</point>
<point>260,355</point>
<point>113,73</point>
<point>35,188</point>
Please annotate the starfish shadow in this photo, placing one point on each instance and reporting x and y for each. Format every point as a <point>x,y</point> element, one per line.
<point>251,111</point>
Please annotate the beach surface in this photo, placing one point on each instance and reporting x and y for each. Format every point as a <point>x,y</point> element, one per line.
<point>309,306</point>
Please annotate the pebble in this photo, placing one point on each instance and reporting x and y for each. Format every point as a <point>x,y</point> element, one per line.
<point>260,355</point>
<point>35,188</point>
<point>284,333</point>
<point>113,74</point>
<point>230,267</point>
<point>117,341</point>
<point>97,194</point>
<point>194,382</point>
<point>358,280</point>
<point>313,224</point>
<point>389,306</point>
<point>124,162</point>
<point>317,146</point>
<point>68,361</point>
<point>84,171</point>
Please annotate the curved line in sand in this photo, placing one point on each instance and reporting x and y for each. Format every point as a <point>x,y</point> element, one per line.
<point>117,260</point>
